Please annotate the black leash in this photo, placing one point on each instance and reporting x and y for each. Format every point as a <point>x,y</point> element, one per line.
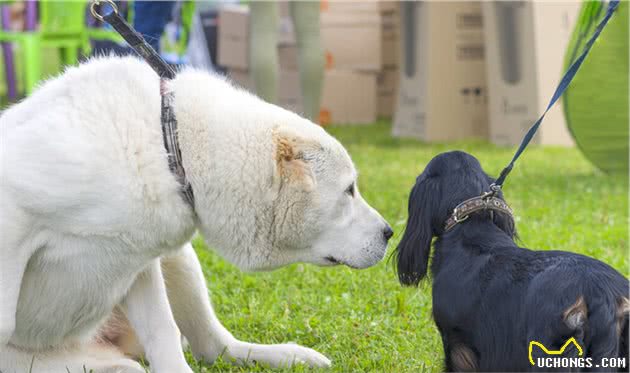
<point>134,39</point>
<point>562,86</point>
<point>166,72</point>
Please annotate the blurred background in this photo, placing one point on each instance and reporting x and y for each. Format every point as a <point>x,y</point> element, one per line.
<point>439,71</point>
<point>396,83</point>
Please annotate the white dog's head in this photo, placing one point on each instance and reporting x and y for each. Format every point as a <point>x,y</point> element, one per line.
<point>325,220</point>
<point>271,188</point>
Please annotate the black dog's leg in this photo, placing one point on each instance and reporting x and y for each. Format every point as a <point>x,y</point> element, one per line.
<point>448,367</point>
<point>458,357</point>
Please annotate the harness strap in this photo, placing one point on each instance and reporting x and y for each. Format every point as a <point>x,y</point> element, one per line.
<point>169,133</point>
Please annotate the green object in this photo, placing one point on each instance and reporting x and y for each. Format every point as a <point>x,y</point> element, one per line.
<point>596,103</point>
<point>178,47</point>
<point>61,27</point>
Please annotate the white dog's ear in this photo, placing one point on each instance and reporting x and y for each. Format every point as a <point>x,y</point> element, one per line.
<point>291,164</point>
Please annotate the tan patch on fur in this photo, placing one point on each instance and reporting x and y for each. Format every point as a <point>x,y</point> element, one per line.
<point>118,332</point>
<point>463,359</point>
<point>623,309</point>
<point>576,314</point>
<point>290,159</point>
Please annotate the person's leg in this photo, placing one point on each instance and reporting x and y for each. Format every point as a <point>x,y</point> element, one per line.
<point>305,16</point>
<point>263,53</point>
<point>150,19</point>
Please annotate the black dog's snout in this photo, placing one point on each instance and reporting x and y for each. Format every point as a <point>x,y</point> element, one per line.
<point>388,232</point>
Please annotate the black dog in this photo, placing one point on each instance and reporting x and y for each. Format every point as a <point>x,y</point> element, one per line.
<point>491,298</point>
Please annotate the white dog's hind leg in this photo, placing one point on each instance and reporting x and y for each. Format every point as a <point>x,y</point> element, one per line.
<point>96,359</point>
<point>208,339</point>
<point>147,308</point>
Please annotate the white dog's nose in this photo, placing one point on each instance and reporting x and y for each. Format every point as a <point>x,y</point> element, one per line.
<point>388,232</point>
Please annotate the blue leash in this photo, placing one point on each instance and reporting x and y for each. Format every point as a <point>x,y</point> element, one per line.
<point>564,84</point>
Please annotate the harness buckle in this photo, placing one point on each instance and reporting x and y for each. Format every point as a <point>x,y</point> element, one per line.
<point>494,189</point>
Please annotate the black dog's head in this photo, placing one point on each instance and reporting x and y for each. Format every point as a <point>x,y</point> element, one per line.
<point>449,179</point>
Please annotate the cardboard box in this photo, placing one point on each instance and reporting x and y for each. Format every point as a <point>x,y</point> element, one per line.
<point>352,40</point>
<point>328,7</point>
<point>386,105</point>
<point>242,79</point>
<point>526,44</point>
<point>289,90</point>
<point>233,43</point>
<point>359,6</point>
<point>442,95</point>
<point>387,88</point>
<point>389,6</point>
<point>349,97</point>
<point>233,36</point>
<point>390,39</point>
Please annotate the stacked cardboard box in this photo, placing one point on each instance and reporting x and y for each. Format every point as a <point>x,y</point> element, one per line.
<point>442,93</point>
<point>233,38</point>
<point>360,42</point>
<point>526,43</point>
<point>351,38</point>
<point>390,52</point>
<point>233,53</point>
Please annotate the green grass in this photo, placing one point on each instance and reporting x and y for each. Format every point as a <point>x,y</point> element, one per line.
<point>364,320</point>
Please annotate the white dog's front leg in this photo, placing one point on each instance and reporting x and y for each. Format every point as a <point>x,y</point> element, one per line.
<point>149,313</point>
<point>11,273</point>
<point>208,339</point>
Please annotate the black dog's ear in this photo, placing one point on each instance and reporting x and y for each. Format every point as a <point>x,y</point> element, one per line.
<point>415,246</point>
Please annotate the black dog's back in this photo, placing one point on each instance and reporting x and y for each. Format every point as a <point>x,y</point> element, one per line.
<point>494,301</point>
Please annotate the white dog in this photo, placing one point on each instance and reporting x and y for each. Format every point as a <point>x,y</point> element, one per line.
<point>92,219</point>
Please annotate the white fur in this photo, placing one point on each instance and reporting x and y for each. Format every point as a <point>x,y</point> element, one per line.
<point>89,210</point>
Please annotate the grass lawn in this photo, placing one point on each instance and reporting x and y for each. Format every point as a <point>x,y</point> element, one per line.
<point>364,320</point>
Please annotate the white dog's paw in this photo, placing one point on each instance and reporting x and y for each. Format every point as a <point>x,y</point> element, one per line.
<point>122,366</point>
<point>121,369</point>
<point>280,355</point>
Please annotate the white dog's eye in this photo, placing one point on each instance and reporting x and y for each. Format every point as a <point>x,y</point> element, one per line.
<point>350,190</point>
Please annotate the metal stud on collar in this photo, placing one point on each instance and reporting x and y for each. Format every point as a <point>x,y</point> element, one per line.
<point>456,217</point>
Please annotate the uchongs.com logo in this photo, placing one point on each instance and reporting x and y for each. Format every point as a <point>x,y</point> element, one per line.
<point>554,358</point>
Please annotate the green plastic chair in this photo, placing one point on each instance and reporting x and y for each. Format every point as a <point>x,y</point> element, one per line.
<point>596,103</point>
<point>61,27</point>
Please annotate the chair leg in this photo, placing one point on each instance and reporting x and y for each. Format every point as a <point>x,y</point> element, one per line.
<point>70,55</point>
<point>9,71</point>
<point>32,62</point>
